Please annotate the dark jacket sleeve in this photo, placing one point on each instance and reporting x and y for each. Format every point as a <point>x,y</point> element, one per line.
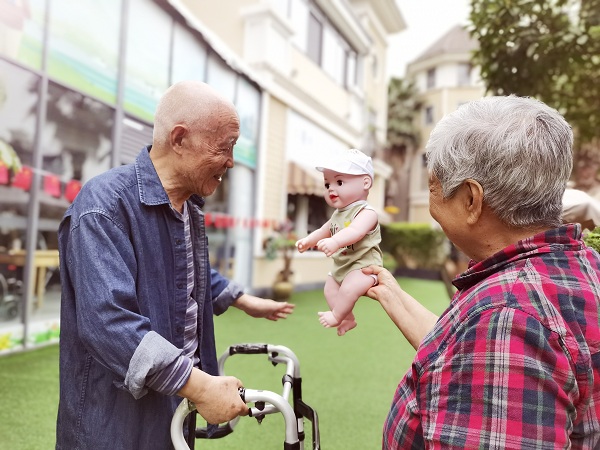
<point>224,292</point>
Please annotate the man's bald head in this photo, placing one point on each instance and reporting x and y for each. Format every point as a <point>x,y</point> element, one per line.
<point>191,103</point>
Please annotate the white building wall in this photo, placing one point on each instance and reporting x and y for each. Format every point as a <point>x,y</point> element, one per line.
<point>260,38</point>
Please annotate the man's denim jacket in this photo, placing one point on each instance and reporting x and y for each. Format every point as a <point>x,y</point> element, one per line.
<point>123,274</point>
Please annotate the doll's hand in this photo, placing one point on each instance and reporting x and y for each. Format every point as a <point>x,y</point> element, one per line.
<point>302,245</point>
<point>328,246</point>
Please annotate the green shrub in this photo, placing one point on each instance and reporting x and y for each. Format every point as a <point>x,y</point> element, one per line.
<point>592,239</point>
<point>415,245</point>
<point>389,262</point>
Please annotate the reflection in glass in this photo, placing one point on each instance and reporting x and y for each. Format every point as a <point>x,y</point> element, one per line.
<point>221,77</point>
<point>84,44</point>
<point>189,56</point>
<point>21,30</point>
<point>18,100</point>
<point>147,68</point>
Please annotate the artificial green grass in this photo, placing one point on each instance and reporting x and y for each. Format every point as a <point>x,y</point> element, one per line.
<point>29,399</point>
<point>349,380</point>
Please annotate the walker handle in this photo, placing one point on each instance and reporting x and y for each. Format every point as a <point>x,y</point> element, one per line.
<point>248,349</point>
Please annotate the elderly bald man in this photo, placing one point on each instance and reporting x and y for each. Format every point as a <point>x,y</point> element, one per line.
<point>137,310</point>
<point>514,362</point>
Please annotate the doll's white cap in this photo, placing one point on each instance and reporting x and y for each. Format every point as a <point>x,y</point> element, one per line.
<point>351,162</point>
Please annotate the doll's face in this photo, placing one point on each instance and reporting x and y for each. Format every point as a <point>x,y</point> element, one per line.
<point>342,189</point>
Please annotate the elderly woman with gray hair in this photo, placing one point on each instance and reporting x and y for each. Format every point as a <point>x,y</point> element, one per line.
<point>514,361</point>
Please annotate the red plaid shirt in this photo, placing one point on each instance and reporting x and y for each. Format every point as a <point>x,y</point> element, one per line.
<point>514,362</point>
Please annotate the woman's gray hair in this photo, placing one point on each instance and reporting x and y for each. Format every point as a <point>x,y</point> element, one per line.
<point>517,148</point>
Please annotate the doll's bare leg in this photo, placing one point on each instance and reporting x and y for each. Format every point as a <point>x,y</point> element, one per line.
<point>327,318</point>
<point>331,290</point>
<point>354,285</point>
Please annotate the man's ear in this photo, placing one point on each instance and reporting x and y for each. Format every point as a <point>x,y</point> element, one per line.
<point>178,133</point>
<point>367,183</point>
<point>473,200</point>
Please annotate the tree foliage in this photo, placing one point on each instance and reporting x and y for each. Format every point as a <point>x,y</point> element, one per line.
<point>403,106</point>
<point>402,143</point>
<point>547,49</point>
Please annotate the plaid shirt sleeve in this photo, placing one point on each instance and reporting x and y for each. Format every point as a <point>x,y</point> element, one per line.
<point>504,381</point>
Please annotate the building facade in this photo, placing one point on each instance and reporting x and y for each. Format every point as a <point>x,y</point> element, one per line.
<point>445,79</point>
<point>79,82</point>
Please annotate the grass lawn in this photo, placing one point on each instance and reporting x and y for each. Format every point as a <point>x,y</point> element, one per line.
<point>349,380</point>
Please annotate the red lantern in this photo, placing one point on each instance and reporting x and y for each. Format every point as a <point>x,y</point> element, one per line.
<point>72,189</point>
<point>52,185</point>
<point>22,178</point>
<point>4,173</point>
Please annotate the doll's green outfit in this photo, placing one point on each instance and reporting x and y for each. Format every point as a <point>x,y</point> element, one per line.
<point>363,253</point>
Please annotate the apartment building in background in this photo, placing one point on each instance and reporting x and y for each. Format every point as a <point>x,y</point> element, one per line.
<point>445,79</point>
<point>79,82</point>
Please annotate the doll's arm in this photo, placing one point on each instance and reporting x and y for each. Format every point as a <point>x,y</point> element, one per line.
<point>364,222</point>
<point>311,240</point>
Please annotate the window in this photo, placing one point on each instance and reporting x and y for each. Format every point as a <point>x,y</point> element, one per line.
<point>351,68</point>
<point>248,107</point>
<point>431,78</point>
<point>428,115</point>
<point>315,38</point>
<point>18,100</point>
<point>464,74</point>
<point>22,29</point>
<point>320,40</point>
<point>334,55</point>
<point>299,15</point>
<point>307,212</point>
<point>84,44</point>
<point>424,173</point>
<point>148,46</point>
<point>374,67</point>
<point>189,56</point>
<point>221,77</point>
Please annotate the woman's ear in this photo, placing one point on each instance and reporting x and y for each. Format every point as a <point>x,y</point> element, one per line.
<point>474,200</point>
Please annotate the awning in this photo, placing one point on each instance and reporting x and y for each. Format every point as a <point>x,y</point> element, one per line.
<point>304,182</point>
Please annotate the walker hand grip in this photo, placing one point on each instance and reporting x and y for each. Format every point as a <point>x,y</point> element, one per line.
<point>248,349</point>
<point>221,431</point>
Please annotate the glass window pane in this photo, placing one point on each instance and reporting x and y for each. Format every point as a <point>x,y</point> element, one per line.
<point>77,138</point>
<point>18,107</point>
<point>21,30</point>
<point>431,78</point>
<point>351,68</point>
<point>248,108</point>
<point>464,74</point>
<point>299,17</point>
<point>189,56</point>
<point>84,44</point>
<point>147,68</point>
<point>333,56</point>
<point>315,38</point>
<point>221,77</point>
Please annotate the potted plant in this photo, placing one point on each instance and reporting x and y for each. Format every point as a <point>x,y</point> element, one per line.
<point>282,242</point>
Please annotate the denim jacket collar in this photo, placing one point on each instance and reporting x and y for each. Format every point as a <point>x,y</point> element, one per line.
<point>150,188</point>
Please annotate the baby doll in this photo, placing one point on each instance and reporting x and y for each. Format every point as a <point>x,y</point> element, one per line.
<point>351,236</point>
